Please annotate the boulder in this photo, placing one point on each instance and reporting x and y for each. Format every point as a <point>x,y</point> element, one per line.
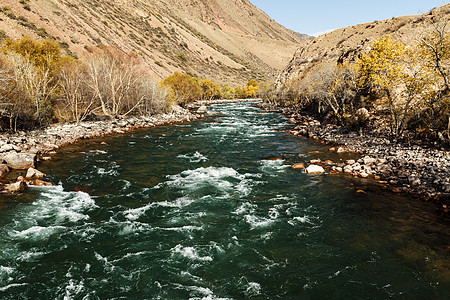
<point>315,169</point>
<point>298,166</point>
<point>315,161</point>
<point>7,147</point>
<point>348,169</point>
<point>19,186</point>
<point>363,174</point>
<point>20,161</point>
<point>369,161</point>
<point>38,182</point>
<point>4,168</point>
<point>33,173</point>
<point>202,110</point>
<point>340,150</point>
<point>350,162</point>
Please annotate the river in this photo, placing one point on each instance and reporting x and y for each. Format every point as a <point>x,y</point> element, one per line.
<point>203,211</point>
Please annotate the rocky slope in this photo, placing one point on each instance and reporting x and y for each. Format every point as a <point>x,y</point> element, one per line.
<point>347,44</point>
<point>223,40</point>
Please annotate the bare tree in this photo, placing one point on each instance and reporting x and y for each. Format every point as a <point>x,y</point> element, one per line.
<point>75,94</point>
<point>36,83</point>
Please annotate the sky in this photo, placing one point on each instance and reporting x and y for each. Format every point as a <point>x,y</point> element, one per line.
<point>315,17</point>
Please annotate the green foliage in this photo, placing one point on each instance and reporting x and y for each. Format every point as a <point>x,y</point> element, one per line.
<point>182,56</point>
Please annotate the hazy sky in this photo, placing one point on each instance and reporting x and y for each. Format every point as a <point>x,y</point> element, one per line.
<point>315,17</point>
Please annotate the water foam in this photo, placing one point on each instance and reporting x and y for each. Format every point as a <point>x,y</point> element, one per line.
<point>222,180</point>
<point>194,158</point>
<point>112,171</point>
<point>272,166</point>
<point>190,253</point>
<point>258,222</point>
<point>134,214</point>
<point>5,273</point>
<point>63,206</point>
<point>38,232</point>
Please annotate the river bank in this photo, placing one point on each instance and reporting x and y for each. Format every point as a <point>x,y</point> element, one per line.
<point>403,168</point>
<point>25,149</point>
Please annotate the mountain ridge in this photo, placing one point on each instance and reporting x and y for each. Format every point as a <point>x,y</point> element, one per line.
<point>225,41</point>
<point>348,43</point>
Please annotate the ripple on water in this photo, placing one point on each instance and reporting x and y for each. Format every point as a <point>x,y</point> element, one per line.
<point>211,181</point>
<point>193,157</point>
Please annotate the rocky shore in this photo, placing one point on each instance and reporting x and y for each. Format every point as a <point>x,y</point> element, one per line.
<point>23,150</point>
<point>403,168</point>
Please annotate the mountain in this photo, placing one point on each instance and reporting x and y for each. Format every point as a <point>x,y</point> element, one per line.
<point>347,44</point>
<point>228,41</point>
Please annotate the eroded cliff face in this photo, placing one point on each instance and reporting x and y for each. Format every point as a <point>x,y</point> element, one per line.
<point>347,44</point>
<point>228,41</point>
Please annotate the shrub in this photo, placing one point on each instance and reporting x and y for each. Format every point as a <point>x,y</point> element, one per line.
<point>183,87</point>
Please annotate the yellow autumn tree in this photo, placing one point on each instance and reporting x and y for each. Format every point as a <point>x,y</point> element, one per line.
<point>390,69</point>
<point>44,54</point>
<point>252,88</point>
<point>210,90</point>
<point>36,65</point>
<point>183,87</point>
<point>228,92</point>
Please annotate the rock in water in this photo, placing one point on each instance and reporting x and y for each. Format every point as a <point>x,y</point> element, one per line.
<point>20,161</point>
<point>298,166</point>
<point>38,182</point>
<point>315,169</point>
<point>19,186</point>
<point>3,170</point>
<point>33,173</point>
<point>202,110</point>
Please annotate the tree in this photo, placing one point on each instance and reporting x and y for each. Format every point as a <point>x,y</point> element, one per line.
<point>252,89</point>
<point>183,87</point>
<point>36,65</point>
<point>14,101</point>
<point>389,68</point>
<point>241,92</point>
<point>45,55</point>
<point>35,84</point>
<point>228,92</point>
<point>210,89</point>
<point>434,51</point>
<point>76,97</point>
<point>112,79</point>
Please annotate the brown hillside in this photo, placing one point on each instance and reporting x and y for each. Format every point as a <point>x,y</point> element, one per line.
<point>347,44</point>
<point>228,41</point>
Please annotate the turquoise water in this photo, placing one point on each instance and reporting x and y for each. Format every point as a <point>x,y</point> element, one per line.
<point>199,211</point>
